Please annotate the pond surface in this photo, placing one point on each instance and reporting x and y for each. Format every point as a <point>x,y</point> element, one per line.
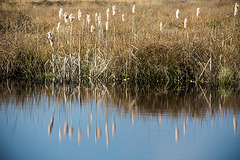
<point>99,122</point>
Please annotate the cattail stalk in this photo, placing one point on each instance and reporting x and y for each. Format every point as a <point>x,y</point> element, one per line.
<point>235,14</point>
<point>133,19</point>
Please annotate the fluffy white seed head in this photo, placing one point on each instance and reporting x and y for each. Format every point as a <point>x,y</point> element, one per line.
<point>50,38</point>
<point>71,18</point>
<point>92,28</point>
<point>114,10</point>
<point>123,17</point>
<point>99,19</point>
<point>59,27</point>
<point>108,14</point>
<point>161,26</point>
<point>88,19</point>
<point>236,9</point>
<point>185,23</point>
<point>66,17</point>
<point>107,25</point>
<point>133,9</point>
<point>198,12</point>
<point>177,13</point>
<point>79,15</point>
<point>60,13</point>
<point>96,17</point>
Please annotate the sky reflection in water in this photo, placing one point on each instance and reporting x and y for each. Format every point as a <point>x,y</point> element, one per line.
<point>99,122</point>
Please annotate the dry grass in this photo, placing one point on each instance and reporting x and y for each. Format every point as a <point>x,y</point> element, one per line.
<point>133,49</point>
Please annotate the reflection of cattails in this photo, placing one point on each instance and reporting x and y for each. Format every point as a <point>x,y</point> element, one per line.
<point>113,126</point>
<point>71,132</point>
<point>65,129</point>
<point>60,134</point>
<point>160,118</point>
<point>184,127</point>
<point>133,117</point>
<point>50,126</point>
<point>234,123</point>
<point>176,134</point>
<point>99,131</point>
<point>88,130</point>
<point>79,136</point>
<point>96,135</point>
<point>107,137</point>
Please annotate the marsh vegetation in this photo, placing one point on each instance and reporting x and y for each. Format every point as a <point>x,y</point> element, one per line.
<point>164,42</point>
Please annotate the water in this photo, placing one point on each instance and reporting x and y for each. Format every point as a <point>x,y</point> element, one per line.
<point>99,122</point>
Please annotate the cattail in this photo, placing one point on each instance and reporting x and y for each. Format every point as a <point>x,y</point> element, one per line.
<point>99,19</point>
<point>60,13</point>
<point>177,13</point>
<point>50,38</point>
<point>133,9</point>
<point>66,17</point>
<point>123,17</point>
<point>88,19</point>
<point>108,14</point>
<point>236,9</point>
<point>96,17</point>
<point>79,15</point>
<point>185,23</point>
<point>161,26</point>
<point>71,18</point>
<point>198,12</point>
<point>107,25</point>
<point>59,27</point>
<point>114,10</point>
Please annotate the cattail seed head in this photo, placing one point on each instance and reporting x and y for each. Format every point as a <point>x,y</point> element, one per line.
<point>161,26</point>
<point>50,38</point>
<point>79,15</point>
<point>123,17</point>
<point>99,19</point>
<point>133,9</point>
<point>177,13</point>
<point>66,17</point>
<point>58,27</point>
<point>60,13</point>
<point>71,18</point>
<point>114,10</point>
<point>108,14</point>
<point>236,9</point>
<point>198,12</point>
<point>92,28</point>
<point>107,25</point>
<point>88,19</point>
<point>96,17</point>
<point>185,23</point>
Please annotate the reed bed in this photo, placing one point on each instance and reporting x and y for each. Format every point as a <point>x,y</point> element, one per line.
<point>166,43</point>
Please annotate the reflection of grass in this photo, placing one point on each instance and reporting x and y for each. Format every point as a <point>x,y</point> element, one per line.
<point>175,55</point>
<point>226,91</point>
